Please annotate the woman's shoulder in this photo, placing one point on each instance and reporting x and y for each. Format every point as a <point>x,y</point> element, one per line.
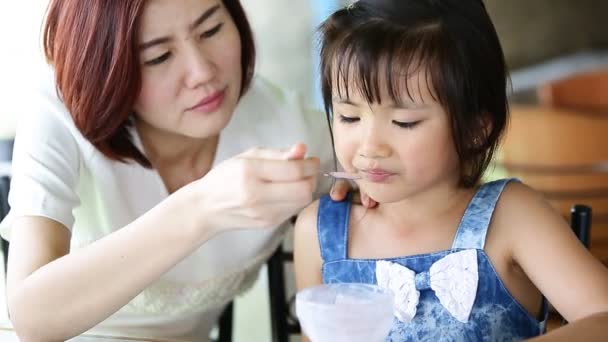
<point>45,117</point>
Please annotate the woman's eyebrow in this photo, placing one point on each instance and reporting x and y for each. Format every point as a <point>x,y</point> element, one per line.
<point>201,19</point>
<point>208,13</point>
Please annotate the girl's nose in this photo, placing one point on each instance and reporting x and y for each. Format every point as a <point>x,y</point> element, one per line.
<point>373,146</point>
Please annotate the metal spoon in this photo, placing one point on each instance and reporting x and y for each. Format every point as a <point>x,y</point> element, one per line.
<point>342,175</point>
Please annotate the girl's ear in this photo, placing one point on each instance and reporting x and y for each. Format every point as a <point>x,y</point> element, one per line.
<point>486,124</point>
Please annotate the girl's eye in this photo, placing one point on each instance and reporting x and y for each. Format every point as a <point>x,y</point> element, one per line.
<point>348,119</point>
<point>407,125</point>
<point>210,33</point>
<point>158,60</point>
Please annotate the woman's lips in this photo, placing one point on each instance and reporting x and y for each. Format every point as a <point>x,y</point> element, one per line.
<point>210,103</point>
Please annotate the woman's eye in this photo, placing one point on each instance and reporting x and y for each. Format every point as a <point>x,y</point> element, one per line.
<point>408,125</point>
<point>212,32</point>
<point>348,119</point>
<point>158,60</point>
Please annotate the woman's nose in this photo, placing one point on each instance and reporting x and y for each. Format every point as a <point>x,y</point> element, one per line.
<point>199,68</point>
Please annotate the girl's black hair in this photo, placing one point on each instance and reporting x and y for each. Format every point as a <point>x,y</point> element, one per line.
<point>453,41</point>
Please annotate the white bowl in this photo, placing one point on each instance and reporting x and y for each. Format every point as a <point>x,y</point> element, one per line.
<point>345,312</point>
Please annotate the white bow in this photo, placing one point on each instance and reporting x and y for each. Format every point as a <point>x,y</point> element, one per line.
<point>453,278</point>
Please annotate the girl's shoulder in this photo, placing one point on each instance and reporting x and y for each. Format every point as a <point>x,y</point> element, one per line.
<point>308,216</point>
<point>519,201</point>
<point>522,213</point>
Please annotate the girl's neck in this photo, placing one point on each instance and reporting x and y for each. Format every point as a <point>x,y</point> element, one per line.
<point>439,203</point>
<point>424,223</point>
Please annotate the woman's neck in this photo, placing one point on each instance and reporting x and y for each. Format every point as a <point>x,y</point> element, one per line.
<point>178,159</point>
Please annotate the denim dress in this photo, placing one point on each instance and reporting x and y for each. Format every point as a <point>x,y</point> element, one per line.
<point>495,314</point>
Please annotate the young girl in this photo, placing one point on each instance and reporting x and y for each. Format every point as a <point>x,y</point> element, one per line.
<point>416,93</point>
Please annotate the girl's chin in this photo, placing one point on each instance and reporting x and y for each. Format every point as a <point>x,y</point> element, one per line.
<point>383,196</point>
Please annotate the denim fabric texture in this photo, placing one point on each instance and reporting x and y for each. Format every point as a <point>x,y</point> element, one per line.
<point>495,316</point>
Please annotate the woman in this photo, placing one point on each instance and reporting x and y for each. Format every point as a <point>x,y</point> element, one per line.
<point>128,207</point>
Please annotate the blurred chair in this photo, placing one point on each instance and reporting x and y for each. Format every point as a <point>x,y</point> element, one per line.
<point>5,182</point>
<point>6,155</point>
<point>282,306</point>
<point>225,324</point>
<point>586,91</point>
<point>282,317</point>
<point>580,222</point>
<point>564,155</point>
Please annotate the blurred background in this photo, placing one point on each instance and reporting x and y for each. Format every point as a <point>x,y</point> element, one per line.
<point>548,44</point>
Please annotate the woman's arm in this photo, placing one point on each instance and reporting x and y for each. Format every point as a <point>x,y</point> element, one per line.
<point>54,296</point>
<point>545,247</point>
<point>307,255</point>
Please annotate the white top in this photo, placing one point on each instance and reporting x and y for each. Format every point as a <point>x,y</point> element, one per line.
<point>57,173</point>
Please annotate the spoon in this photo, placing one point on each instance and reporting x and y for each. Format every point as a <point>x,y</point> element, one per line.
<point>342,175</point>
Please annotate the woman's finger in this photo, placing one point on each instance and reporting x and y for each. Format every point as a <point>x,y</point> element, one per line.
<point>297,151</point>
<point>339,190</point>
<point>283,170</point>
<point>290,192</point>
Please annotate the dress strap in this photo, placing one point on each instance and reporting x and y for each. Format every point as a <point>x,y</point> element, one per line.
<point>476,219</point>
<point>332,227</point>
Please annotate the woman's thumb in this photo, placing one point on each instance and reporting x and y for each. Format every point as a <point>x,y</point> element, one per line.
<point>297,151</point>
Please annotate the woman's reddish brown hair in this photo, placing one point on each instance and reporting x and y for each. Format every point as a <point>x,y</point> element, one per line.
<point>93,47</point>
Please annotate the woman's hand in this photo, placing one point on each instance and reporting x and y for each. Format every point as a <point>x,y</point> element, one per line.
<point>342,187</point>
<point>257,189</point>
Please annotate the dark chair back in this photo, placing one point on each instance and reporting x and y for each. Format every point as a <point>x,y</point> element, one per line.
<point>225,324</point>
<point>6,155</point>
<point>283,319</point>
<point>580,222</point>
<point>5,183</point>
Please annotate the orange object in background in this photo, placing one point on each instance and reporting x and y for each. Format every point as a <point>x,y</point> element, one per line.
<point>584,91</point>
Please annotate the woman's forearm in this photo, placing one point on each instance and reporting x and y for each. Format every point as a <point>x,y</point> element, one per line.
<point>592,328</point>
<point>71,294</point>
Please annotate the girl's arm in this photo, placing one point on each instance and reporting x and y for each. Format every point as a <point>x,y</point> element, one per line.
<point>572,279</point>
<point>591,328</point>
<point>54,295</point>
<point>307,255</point>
